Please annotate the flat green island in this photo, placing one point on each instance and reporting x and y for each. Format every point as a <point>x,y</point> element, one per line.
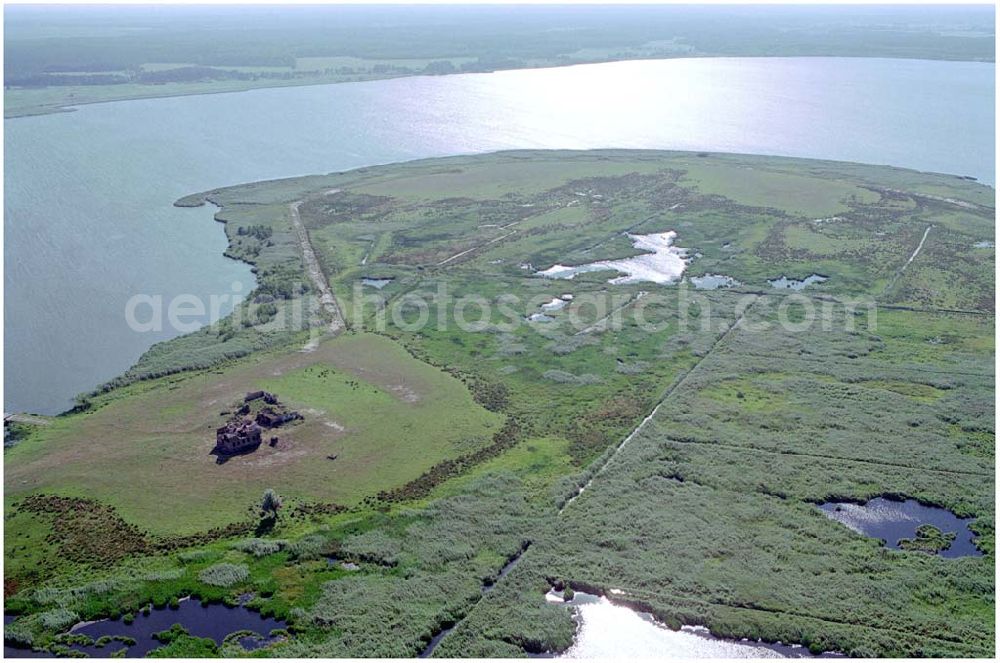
<point>704,425</point>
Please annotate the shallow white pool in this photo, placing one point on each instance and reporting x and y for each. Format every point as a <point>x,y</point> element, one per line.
<point>664,262</point>
<point>615,632</point>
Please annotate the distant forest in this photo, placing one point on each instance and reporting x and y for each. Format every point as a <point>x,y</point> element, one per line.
<point>102,45</point>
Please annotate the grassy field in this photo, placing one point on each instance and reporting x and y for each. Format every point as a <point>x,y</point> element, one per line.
<point>459,447</point>
<point>385,416</point>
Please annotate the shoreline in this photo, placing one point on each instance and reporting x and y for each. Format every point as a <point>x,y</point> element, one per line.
<point>211,197</point>
<point>640,482</point>
<point>72,106</point>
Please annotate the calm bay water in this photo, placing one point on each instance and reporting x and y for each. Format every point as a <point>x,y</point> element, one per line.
<point>88,215</point>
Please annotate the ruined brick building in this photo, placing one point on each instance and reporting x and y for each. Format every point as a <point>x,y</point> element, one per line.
<point>237,437</point>
<point>243,432</point>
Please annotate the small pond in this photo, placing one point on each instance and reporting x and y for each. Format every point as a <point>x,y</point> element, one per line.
<point>345,565</point>
<point>714,282</point>
<point>611,631</point>
<point>554,305</point>
<point>893,520</point>
<point>785,283</point>
<point>377,283</point>
<point>203,620</point>
<point>662,263</point>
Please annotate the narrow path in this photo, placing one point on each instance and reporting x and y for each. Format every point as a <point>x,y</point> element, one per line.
<point>326,297</point>
<point>670,390</point>
<point>599,323</point>
<point>917,250</point>
<point>666,395</point>
<point>364,261</point>
<point>486,589</point>
<point>902,269</point>
<point>477,247</point>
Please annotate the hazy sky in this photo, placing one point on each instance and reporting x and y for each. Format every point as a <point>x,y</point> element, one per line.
<point>500,2</point>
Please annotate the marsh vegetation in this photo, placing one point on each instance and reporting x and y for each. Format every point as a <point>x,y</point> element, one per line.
<point>676,457</point>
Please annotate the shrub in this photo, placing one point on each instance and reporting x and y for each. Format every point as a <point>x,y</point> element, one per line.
<point>270,503</point>
<point>166,574</point>
<point>187,646</point>
<point>170,634</point>
<point>194,556</point>
<point>63,650</point>
<point>58,619</point>
<point>64,596</point>
<point>566,377</point>
<point>309,547</point>
<point>260,547</point>
<point>224,575</point>
<point>74,639</point>
<point>17,634</point>
<point>180,644</point>
<point>374,546</point>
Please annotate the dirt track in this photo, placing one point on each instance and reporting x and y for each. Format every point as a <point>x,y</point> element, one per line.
<point>326,298</point>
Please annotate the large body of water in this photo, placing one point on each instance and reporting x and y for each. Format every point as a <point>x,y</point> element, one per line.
<point>89,221</point>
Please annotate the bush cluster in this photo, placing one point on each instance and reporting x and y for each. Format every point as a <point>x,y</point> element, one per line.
<point>224,574</point>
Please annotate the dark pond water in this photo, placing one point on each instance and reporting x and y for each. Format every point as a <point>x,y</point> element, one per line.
<point>203,620</point>
<point>15,652</point>
<point>892,520</point>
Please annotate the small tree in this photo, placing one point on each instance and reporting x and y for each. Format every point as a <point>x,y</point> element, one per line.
<point>270,503</point>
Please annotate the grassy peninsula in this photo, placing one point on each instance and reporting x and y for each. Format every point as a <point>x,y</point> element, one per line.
<point>704,424</point>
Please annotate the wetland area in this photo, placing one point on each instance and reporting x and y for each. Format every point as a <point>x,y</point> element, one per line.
<point>734,422</point>
<point>661,459</point>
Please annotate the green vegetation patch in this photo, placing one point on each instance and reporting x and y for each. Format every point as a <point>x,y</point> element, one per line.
<point>165,430</point>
